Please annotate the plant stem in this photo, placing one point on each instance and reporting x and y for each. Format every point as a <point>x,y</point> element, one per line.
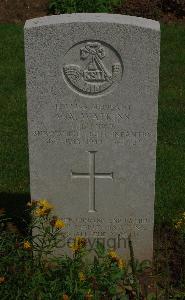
<point>133,267</point>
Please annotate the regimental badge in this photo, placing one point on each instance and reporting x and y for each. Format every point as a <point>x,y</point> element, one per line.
<point>98,70</point>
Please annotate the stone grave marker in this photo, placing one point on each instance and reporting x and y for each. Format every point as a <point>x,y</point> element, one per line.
<point>92,103</point>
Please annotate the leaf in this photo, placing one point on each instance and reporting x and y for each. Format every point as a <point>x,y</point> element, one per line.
<point>100,249</point>
<point>128,288</point>
<point>151,297</point>
<point>146,264</point>
<point>112,290</point>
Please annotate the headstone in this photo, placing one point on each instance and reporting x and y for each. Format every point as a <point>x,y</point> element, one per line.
<point>92,91</point>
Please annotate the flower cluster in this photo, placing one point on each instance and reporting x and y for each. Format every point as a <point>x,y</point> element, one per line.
<point>59,224</point>
<point>89,295</point>
<point>105,278</point>
<point>82,276</point>
<point>115,258</point>
<point>27,245</point>
<point>43,208</point>
<point>78,244</point>
<point>180,224</point>
<point>40,207</point>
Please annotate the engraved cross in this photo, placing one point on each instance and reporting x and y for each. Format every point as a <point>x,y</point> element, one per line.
<point>92,175</point>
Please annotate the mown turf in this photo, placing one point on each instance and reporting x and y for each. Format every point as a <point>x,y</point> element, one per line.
<point>14,176</point>
<point>170,175</point>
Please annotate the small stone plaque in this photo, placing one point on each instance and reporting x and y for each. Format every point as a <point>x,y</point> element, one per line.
<point>92,93</point>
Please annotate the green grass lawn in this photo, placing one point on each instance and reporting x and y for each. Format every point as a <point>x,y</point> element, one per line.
<point>170,176</point>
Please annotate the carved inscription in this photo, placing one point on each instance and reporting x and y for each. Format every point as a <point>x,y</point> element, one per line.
<point>76,137</point>
<point>99,113</point>
<point>99,67</point>
<point>90,123</point>
<point>99,227</point>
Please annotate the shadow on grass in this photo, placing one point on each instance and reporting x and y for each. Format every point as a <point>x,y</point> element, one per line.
<point>16,209</point>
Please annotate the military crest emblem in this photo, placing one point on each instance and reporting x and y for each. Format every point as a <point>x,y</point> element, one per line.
<point>99,68</point>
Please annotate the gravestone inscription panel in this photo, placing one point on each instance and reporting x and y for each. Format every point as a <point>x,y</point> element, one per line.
<point>92,94</point>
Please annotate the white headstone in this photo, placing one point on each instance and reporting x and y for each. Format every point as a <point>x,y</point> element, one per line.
<point>92,91</point>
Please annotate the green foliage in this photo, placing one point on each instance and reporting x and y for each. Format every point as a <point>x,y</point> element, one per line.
<point>79,6</point>
<point>170,179</point>
<point>179,223</point>
<point>29,269</point>
<point>13,124</point>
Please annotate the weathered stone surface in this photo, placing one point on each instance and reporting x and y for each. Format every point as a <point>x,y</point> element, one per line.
<point>92,90</point>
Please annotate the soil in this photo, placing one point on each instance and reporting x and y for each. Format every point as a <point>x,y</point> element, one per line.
<point>18,11</point>
<point>154,9</point>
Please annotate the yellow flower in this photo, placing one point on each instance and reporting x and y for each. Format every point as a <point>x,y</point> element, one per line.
<point>78,244</point>
<point>39,213</point>
<point>82,276</point>
<point>179,224</point>
<point>44,203</point>
<point>43,208</point>
<point>2,279</point>
<point>27,245</point>
<point>88,295</point>
<point>74,247</point>
<point>59,224</point>
<point>65,297</point>
<point>121,263</point>
<point>112,254</point>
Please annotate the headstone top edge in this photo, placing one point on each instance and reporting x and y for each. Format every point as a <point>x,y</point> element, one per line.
<point>92,18</point>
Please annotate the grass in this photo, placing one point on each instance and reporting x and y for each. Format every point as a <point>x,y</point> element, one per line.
<point>13,127</point>
<point>170,175</point>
